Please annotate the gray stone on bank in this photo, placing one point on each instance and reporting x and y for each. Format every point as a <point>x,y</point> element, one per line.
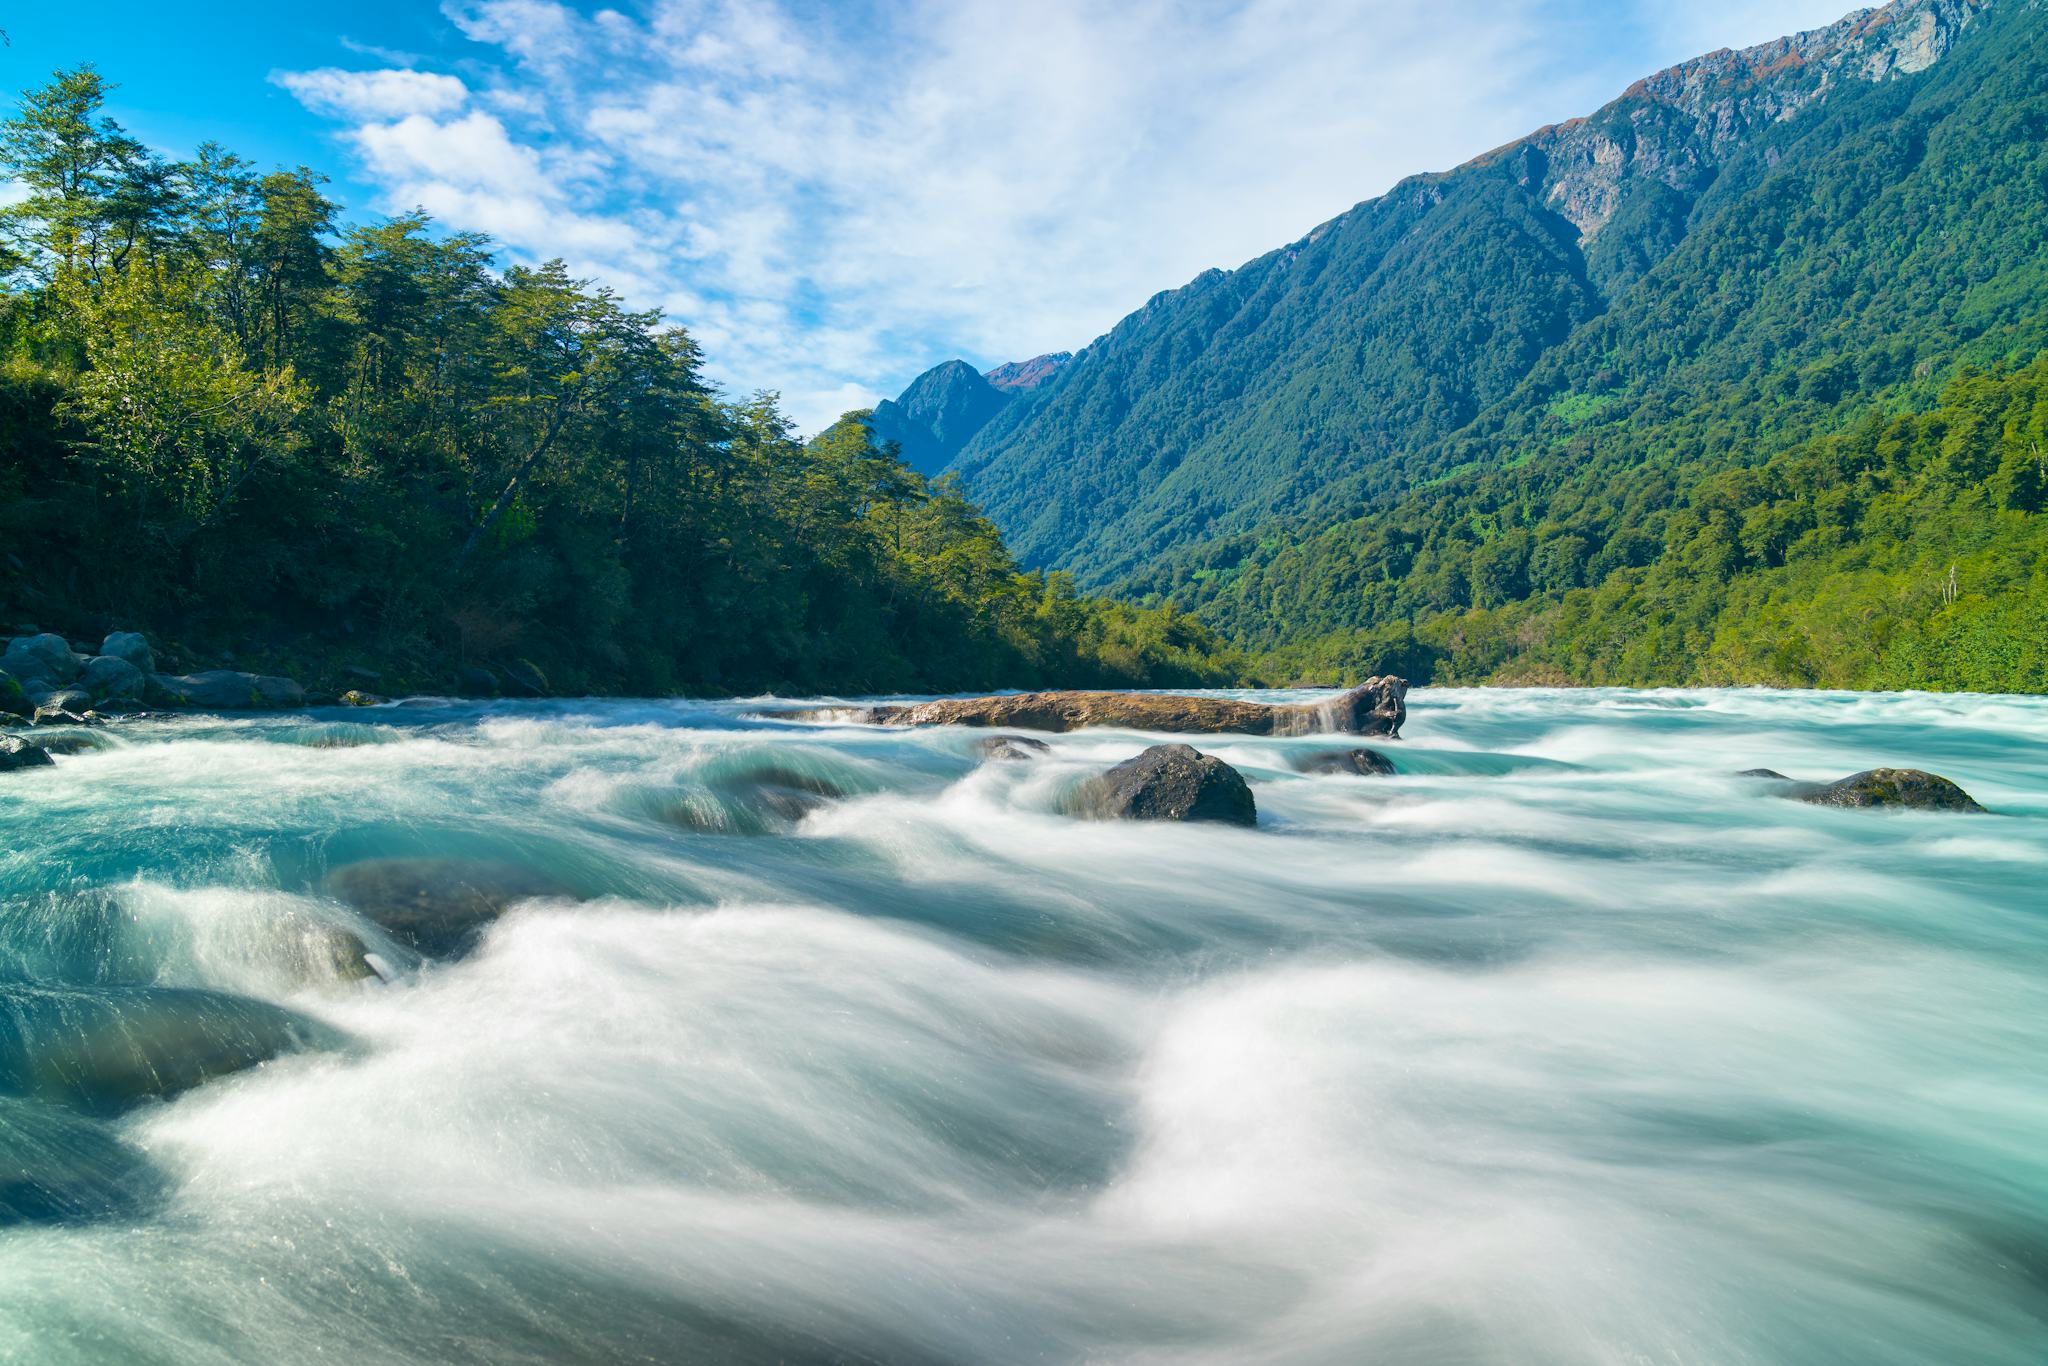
<point>225,690</point>
<point>46,657</point>
<point>130,648</point>
<point>1169,783</point>
<point>110,676</point>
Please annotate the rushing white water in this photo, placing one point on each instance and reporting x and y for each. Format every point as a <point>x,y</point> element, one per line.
<point>1566,1045</point>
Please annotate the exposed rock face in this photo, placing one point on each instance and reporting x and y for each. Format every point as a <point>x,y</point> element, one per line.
<point>1169,783</point>
<point>440,907</point>
<point>476,682</point>
<point>1674,129</point>
<point>14,699</point>
<point>1022,376</point>
<point>1769,774</point>
<point>1907,788</point>
<point>130,646</point>
<point>353,698</point>
<point>1375,708</point>
<point>1364,762</point>
<point>1012,748</point>
<point>17,753</point>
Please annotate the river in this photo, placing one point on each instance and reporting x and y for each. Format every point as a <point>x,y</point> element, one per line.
<point>822,1043</point>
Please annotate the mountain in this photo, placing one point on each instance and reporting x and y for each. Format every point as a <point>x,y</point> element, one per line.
<point>1403,337</point>
<point>942,409</point>
<point>1806,444</point>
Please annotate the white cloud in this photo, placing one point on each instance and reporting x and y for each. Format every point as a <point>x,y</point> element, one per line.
<point>834,197</point>
<point>388,94</point>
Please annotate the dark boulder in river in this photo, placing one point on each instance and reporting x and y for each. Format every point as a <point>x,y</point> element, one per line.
<point>1375,708</point>
<point>1905,788</point>
<point>1169,783</point>
<point>438,906</point>
<point>1011,748</point>
<point>1769,774</point>
<point>1369,763</point>
<point>106,1048</point>
<point>16,752</point>
<point>57,1167</point>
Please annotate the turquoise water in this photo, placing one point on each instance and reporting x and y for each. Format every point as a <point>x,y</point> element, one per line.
<point>827,1044</point>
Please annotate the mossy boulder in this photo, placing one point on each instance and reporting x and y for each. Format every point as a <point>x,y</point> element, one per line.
<point>1899,788</point>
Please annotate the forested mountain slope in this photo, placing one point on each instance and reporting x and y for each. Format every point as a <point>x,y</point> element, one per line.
<point>1335,370</point>
<point>1645,507</point>
<point>941,410</point>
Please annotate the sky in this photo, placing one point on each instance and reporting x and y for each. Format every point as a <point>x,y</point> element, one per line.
<point>834,196</point>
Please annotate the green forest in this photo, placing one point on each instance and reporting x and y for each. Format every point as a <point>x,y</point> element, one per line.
<point>267,435</point>
<point>1803,446</point>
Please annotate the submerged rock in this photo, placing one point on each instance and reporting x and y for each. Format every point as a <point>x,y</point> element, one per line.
<point>1368,763</point>
<point>1011,748</point>
<point>1771,774</point>
<point>108,1048</point>
<point>1169,783</point>
<point>57,1167</point>
<point>1903,788</point>
<point>16,752</point>
<point>438,906</point>
<point>76,742</point>
<point>1375,708</point>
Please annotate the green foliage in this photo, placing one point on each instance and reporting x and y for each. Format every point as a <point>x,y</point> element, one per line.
<point>1905,551</point>
<point>1721,477</point>
<point>226,418</point>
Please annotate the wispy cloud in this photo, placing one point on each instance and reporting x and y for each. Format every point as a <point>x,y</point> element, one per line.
<point>833,197</point>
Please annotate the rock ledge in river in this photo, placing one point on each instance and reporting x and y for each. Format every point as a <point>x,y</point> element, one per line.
<point>1376,707</point>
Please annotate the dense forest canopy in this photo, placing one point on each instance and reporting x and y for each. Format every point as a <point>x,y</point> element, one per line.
<point>241,422</point>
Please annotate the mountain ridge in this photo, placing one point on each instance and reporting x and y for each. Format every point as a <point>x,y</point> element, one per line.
<point>1246,394</point>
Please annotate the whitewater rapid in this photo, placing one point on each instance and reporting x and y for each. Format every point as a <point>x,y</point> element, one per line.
<point>1565,1045</point>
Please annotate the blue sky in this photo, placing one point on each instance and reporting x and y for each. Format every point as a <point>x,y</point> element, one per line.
<point>834,196</point>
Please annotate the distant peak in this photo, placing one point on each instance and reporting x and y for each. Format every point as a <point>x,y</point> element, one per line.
<point>1022,376</point>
